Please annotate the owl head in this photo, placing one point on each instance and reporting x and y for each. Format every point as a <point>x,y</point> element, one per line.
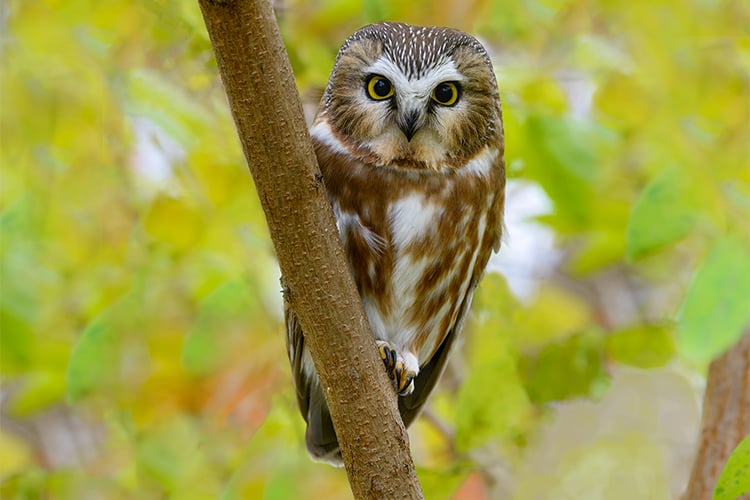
<point>411,96</point>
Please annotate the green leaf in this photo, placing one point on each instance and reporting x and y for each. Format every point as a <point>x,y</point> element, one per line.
<point>599,249</point>
<point>40,389</point>
<point>662,214</point>
<point>155,96</point>
<point>279,487</point>
<point>202,350</point>
<point>17,342</point>
<point>716,308</point>
<point>374,10</point>
<point>574,367</point>
<point>643,346</point>
<point>276,448</point>
<point>734,480</point>
<point>174,456</point>
<point>441,484</point>
<point>491,403</point>
<point>564,159</point>
<point>92,361</point>
<point>95,358</point>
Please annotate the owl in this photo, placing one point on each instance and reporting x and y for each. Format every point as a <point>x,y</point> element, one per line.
<point>409,139</point>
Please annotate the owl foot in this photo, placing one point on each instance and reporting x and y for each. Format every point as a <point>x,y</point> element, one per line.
<point>401,371</point>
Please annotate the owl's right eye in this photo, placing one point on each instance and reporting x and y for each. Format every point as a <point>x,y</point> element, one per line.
<point>379,88</point>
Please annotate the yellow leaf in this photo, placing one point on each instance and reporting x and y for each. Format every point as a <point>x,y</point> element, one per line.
<point>172,221</point>
<point>545,93</point>
<point>554,315</point>
<point>15,454</point>
<point>624,100</point>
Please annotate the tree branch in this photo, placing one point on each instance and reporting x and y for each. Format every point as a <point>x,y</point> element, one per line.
<point>726,418</point>
<point>263,98</point>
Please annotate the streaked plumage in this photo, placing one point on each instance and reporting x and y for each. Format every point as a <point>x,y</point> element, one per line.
<point>409,140</point>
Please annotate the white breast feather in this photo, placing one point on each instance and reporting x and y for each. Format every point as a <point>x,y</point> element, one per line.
<point>411,218</point>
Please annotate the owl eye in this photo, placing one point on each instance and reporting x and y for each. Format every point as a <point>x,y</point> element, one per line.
<point>379,88</point>
<point>446,94</point>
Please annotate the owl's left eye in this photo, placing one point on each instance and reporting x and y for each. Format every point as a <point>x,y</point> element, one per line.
<point>379,88</point>
<point>446,94</point>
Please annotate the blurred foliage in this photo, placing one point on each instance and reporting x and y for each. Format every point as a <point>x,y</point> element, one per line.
<point>142,348</point>
<point>735,478</point>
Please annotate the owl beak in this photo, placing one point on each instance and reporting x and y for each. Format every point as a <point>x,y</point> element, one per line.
<point>409,123</point>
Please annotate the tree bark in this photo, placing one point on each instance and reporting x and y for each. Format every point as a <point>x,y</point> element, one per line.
<point>265,104</point>
<point>726,418</point>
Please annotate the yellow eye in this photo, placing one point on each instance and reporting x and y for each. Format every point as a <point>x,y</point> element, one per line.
<point>446,94</point>
<point>379,88</point>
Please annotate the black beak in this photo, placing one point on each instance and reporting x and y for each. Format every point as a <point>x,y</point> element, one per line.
<point>409,124</point>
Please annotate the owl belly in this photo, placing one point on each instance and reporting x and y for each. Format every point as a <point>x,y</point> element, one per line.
<point>414,274</point>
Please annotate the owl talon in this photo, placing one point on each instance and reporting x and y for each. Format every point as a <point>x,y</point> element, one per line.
<point>388,355</point>
<point>398,370</point>
<point>404,380</point>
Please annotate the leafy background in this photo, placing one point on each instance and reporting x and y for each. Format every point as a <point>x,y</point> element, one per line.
<point>142,346</point>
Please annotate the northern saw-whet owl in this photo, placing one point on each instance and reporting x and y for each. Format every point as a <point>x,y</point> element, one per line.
<point>409,139</point>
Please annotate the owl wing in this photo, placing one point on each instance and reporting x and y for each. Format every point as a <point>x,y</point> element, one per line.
<point>320,436</point>
<point>295,348</point>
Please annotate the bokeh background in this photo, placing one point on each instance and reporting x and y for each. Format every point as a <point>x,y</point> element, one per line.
<point>142,350</point>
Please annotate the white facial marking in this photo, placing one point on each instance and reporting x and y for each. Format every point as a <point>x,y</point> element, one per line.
<point>410,94</point>
<point>482,164</point>
<point>322,132</point>
<point>419,88</point>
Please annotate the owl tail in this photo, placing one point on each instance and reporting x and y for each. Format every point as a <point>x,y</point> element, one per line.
<point>320,435</point>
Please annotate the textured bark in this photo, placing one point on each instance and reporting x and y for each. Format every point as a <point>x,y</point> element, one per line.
<point>726,418</point>
<point>263,98</point>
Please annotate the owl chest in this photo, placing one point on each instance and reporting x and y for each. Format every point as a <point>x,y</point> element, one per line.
<point>393,244</point>
<point>412,258</point>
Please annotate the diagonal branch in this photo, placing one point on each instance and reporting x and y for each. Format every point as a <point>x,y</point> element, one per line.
<point>726,417</point>
<point>263,98</point>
